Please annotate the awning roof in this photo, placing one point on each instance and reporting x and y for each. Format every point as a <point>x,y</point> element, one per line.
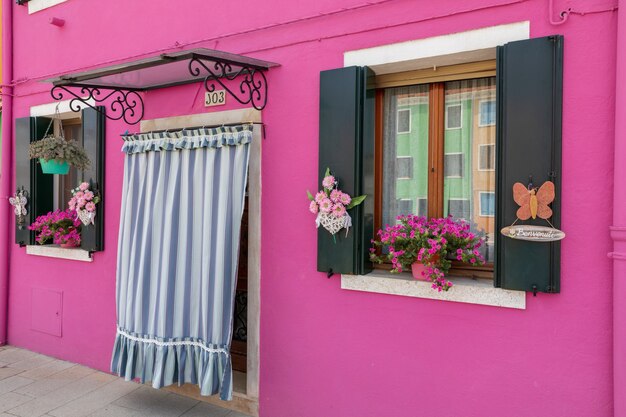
<point>216,69</point>
<point>165,70</point>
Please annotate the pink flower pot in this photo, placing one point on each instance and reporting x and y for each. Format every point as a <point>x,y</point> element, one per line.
<point>417,268</point>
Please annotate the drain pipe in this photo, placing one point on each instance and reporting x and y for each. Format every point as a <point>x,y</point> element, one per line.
<point>6,219</point>
<point>618,230</point>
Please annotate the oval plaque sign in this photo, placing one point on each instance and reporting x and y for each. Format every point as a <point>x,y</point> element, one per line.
<point>533,233</point>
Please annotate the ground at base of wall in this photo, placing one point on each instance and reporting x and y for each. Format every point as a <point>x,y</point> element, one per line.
<point>33,385</point>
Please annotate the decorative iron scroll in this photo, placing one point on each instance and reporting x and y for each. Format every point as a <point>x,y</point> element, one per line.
<point>240,325</point>
<point>125,104</point>
<point>252,88</point>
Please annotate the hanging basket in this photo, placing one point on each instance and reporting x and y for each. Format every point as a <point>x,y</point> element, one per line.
<point>333,224</point>
<point>54,166</point>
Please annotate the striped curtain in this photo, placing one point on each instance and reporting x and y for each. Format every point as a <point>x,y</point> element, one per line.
<point>182,203</point>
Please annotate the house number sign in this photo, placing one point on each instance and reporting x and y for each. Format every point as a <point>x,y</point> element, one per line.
<point>215,98</point>
<point>533,203</point>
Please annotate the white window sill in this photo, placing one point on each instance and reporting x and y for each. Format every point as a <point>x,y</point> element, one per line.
<point>464,290</point>
<point>39,5</point>
<point>73,254</point>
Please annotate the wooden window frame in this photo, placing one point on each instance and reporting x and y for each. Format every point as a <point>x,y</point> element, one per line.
<point>435,78</point>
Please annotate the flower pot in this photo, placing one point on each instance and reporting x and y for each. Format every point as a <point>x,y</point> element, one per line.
<point>69,245</point>
<point>417,268</point>
<point>54,166</point>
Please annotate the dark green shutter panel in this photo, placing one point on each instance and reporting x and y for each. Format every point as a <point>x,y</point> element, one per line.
<point>28,175</point>
<point>93,121</point>
<point>529,95</point>
<point>346,146</point>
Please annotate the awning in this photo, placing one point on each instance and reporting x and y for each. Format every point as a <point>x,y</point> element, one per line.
<point>120,85</point>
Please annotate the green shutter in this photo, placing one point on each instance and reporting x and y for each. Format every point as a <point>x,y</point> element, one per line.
<point>346,146</point>
<point>93,121</point>
<point>28,175</point>
<point>529,95</point>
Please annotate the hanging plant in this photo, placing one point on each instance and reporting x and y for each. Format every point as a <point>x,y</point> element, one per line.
<point>56,154</point>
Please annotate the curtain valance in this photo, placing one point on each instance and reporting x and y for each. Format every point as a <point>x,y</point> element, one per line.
<point>187,139</point>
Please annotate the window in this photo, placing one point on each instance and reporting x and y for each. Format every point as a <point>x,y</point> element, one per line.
<point>453,165</point>
<point>404,168</point>
<point>434,163</point>
<point>63,184</point>
<point>404,121</point>
<point>487,157</point>
<point>487,203</point>
<point>487,109</point>
<point>454,116</point>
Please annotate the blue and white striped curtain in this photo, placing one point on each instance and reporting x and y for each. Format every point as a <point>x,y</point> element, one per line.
<point>182,203</point>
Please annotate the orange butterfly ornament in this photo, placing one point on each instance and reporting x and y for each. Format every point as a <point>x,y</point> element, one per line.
<point>534,202</point>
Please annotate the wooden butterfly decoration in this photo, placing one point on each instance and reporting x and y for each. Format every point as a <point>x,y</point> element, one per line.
<point>534,202</point>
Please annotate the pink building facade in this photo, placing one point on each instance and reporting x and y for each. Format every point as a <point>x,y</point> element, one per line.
<point>323,349</point>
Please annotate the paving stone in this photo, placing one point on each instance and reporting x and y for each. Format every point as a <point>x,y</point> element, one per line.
<point>12,399</point>
<point>13,382</point>
<point>55,399</point>
<point>236,414</point>
<point>47,369</point>
<point>6,372</point>
<point>95,400</point>
<point>32,362</point>
<point>156,403</point>
<point>116,411</point>
<point>206,410</point>
<point>13,355</point>
<point>55,381</point>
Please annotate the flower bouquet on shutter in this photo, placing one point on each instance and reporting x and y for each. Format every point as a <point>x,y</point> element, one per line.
<point>331,205</point>
<point>431,243</point>
<point>84,202</point>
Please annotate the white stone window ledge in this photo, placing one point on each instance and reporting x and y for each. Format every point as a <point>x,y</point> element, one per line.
<point>73,254</point>
<point>464,290</point>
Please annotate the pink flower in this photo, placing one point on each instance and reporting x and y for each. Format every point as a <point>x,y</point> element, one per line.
<point>345,199</point>
<point>91,207</point>
<point>320,196</point>
<point>83,186</point>
<point>80,202</point>
<point>88,195</point>
<point>326,205</point>
<point>339,210</point>
<point>79,194</point>
<point>328,182</point>
<point>335,195</point>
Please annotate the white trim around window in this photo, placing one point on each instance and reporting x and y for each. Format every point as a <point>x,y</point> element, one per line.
<point>480,113</point>
<point>460,126</point>
<point>481,159</point>
<point>35,6</point>
<point>398,131</point>
<point>480,203</point>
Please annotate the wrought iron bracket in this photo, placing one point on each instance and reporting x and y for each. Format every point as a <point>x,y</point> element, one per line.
<point>125,105</point>
<point>252,88</point>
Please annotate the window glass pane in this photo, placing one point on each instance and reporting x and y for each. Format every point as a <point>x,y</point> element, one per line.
<point>469,176</point>
<point>405,152</point>
<point>454,116</point>
<point>63,184</point>
<point>487,113</point>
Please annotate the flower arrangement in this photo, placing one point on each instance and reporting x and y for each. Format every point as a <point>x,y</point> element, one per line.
<point>84,202</point>
<point>59,149</point>
<point>330,204</point>
<point>60,226</point>
<point>431,242</point>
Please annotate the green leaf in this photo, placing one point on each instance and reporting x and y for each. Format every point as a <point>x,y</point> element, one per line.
<point>327,173</point>
<point>356,201</point>
<point>310,195</point>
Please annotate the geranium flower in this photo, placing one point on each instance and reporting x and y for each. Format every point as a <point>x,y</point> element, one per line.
<point>320,196</point>
<point>345,199</point>
<point>88,195</point>
<point>83,186</point>
<point>91,207</point>
<point>335,195</point>
<point>339,210</point>
<point>328,182</point>
<point>326,205</point>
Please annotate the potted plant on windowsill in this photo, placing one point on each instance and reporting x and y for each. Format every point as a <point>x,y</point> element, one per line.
<point>427,246</point>
<point>61,227</point>
<point>56,155</point>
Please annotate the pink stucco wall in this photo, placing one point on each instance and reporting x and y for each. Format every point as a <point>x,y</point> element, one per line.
<point>325,351</point>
